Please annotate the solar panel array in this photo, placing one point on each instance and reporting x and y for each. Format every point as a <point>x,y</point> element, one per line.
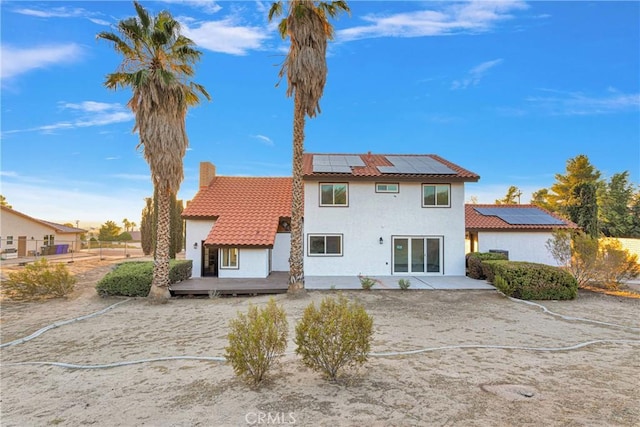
<point>335,163</point>
<point>422,165</point>
<point>521,216</point>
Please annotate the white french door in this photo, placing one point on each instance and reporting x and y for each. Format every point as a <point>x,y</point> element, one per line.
<point>417,255</point>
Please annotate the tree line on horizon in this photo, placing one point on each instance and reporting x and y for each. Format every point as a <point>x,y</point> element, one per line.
<point>601,207</point>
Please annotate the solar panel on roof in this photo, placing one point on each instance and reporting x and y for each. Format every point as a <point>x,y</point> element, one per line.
<point>335,163</point>
<point>423,165</point>
<point>521,216</point>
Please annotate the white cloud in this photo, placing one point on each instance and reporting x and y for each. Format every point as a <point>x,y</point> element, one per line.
<point>99,21</point>
<point>91,113</point>
<point>579,104</point>
<point>475,75</point>
<point>468,17</point>
<point>225,36</point>
<point>17,61</point>
<point>265,139</point>
<point>207,6</point>
<point>54,12</point>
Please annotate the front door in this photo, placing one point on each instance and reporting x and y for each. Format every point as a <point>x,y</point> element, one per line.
<point>417,255</point>
<point>22,246</point>
<point>209,261</point>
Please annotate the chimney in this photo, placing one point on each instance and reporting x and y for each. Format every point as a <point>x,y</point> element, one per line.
<point>207,173</point>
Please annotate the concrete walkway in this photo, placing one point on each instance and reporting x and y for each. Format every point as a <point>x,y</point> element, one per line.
<point>391,282</point>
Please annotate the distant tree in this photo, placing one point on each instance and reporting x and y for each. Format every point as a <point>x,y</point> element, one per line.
<point>109,232</point>
<point>583,209</point>
<point>540,198</point>
<point>616,207</point>
<point>127,224</point>
<point>177,227</point>
<point>157,65</point>
<point>133,225</point>
<point>473,200</point>
<point>511,198</point>
<point>146,227</point>
<point>635,215</point>
<point>3,202</point>
<point>125,237</point>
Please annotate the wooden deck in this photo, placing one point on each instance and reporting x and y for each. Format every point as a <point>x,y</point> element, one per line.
<point>276,283</point>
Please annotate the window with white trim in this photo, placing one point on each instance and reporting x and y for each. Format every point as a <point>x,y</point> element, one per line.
<point>229,258</point>
<point>387,187</point>
<point>334,194</point>
<point>325,245</point>
<point>9,240</point>
<point>48,240</point>
<point>436,195</point>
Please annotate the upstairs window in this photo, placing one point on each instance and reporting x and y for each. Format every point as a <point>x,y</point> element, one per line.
<point>436,195</point>
<point>387,187</point>
<point>332,194</point>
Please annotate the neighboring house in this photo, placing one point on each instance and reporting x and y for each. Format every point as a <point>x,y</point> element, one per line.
<point>522,231</point>
<point>22,235</point>
<point>364,214</point>
<point>238,226</point>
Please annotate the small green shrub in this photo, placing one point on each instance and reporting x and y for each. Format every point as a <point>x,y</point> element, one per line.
<point>334,336</point>
<point>474,263</point>
<point>256,340</point>
<point>530,281</point>
<point>40,279</point>
<point>404,284</point>
<point>133,279</point>
<point>367,282</point>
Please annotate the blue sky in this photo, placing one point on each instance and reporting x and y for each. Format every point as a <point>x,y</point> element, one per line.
<point>510,90</point>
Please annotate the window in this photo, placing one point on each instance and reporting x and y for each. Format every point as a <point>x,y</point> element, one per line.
<point>435,195</point>
<point>9,240</point>
<point>325,245</point>
<point>48,240</point>
<point>334,194</point>
<point>229,257</point>
<point>387,187</point>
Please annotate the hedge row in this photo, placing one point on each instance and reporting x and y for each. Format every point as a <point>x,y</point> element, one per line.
<point>133,279</point>
<point>474,263</point>
<point>530,281</point>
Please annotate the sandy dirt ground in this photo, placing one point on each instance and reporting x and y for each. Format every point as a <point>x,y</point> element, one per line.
<point>594,385</point>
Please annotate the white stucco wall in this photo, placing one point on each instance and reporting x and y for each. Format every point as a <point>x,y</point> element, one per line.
<point>252,263</point>
<point>197,231</point>
<point>372,215</point>
<point>17,225</point>
<point>522,246</point>
<point>280,252</point>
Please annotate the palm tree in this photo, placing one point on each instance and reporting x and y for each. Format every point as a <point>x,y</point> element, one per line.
<point>126,224</point>
<point>157,65</point>
<point>308,28</point>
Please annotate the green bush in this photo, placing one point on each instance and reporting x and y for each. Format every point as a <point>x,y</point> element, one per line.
<point>40,279</point>
<point>404,284</point>
<point>133,279</point>
<point>474,263</point>
<point>530,281</point>
<point>367,282</point>
<point>335,336</point>
<point>256,340</point>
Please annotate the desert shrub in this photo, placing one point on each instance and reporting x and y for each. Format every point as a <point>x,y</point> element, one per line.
<point>334,336</point>
<point>531,281</point>
<point>593,261</point>
<point>474,263</point>
<point>133,279</point>
<point>404,284</point>
<point>256,340</point>
<point>40,279</point>
<point>367,282</point>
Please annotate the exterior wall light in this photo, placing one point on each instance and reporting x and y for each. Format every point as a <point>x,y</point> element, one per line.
<point>195,245</point>
<point>381,240</point>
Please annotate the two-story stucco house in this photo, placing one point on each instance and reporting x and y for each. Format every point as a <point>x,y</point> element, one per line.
<point>367,214</point>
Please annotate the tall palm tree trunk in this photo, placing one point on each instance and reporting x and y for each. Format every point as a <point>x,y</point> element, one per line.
<point>296,256</point>
<point>159,292</point>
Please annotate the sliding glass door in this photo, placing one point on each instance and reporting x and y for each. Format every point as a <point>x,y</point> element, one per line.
<point>417,255</point>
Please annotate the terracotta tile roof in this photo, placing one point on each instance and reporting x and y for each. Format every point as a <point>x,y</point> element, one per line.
<point>474,220</point>
<point>373,161</point>
<point>247,209</point>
